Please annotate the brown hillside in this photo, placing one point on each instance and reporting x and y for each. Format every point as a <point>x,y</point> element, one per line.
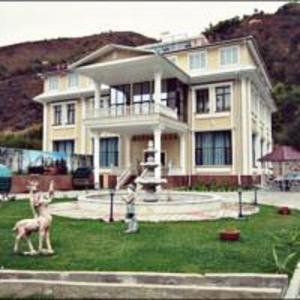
<point>20,63</point>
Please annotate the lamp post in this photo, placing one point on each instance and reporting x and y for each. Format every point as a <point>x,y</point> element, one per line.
<point>111,211</point>
<point>240,202</point>
<point>255,195</point>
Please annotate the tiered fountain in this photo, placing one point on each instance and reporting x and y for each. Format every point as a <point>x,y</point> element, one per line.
<point>147,180</point>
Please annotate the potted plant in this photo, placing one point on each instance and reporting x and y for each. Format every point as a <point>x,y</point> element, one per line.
<point>284,210</point>
<point>229,234</point>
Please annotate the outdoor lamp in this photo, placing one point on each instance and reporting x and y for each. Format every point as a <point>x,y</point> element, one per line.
<point>255,195</point>
<point>240,202</point>
<point>112,192</point>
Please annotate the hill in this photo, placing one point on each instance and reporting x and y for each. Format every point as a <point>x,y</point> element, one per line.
<point>20,63</point>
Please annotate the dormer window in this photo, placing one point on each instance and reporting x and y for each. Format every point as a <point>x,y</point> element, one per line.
<point>229,55</point>
<point>73,80</point>
<point>53,83</point>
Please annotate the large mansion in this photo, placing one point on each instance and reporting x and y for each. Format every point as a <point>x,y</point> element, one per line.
<point>206,106</point>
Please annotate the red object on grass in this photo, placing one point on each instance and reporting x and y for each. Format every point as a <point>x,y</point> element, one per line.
<point>230,235</point>
<point>284,210</point>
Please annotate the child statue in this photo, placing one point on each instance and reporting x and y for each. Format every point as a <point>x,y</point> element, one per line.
<point>130,217</point>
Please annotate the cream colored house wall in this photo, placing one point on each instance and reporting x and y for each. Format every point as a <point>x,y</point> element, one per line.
<point>65,132</point>
<point>213,57</point>
<point>63,84</point>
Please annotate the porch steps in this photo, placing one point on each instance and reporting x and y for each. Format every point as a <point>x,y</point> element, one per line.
<point>137,285</point>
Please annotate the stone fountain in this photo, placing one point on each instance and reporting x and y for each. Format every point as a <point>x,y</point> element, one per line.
<point>147,180</point>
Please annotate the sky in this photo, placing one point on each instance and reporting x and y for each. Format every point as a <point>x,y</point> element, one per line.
<point>30,21</point>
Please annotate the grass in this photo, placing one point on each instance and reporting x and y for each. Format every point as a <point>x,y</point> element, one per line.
<point>165,247</point>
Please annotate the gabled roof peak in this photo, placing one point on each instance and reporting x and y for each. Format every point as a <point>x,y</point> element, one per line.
<point>106,49</point>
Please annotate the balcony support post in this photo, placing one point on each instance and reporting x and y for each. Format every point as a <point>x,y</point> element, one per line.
<point>127,141</point>
<point>157,91</point>
<point>157,145</point>
<point>97,98</point>
<point>182,153</point>
<point>96,160</point>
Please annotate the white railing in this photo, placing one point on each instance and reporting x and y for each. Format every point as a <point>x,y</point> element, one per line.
<point>135,109</point>
<point>124,175</point>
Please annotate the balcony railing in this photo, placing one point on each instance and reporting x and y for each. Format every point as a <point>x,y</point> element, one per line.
<point>136,109</point>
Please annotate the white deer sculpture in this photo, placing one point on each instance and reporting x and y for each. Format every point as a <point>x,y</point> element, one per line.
<point>40,223</point>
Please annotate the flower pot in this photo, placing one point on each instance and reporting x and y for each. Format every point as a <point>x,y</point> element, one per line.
<point>229,235</point>
<point>284,210</point>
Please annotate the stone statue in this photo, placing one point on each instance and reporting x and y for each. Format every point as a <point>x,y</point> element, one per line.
<point>41,222</point>
<point>130,217</point>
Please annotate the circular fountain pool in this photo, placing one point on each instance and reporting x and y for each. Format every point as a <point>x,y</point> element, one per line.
<point>172,206</point>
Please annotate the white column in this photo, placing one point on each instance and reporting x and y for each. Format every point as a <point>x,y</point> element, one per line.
<point>157,90</point>
<point>127,151</point>
<point>245,126</point>
<point>157,146</point>
<point>96,161</point>
<point>182,154</point>
<point>45,127</point>
<point>83,130</point>
<point>97,98</point>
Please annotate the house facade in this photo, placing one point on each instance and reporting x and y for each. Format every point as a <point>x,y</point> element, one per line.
<point>206,106</point>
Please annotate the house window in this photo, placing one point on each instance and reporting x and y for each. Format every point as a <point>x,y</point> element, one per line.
<point>197,60</point>
<point>53,83</point>
<point>66,146</point>
<point>202,101</point>
<point>71,113</point>
<point>109,152</point>
<point>223,95</point>
<point>57,114</point>
<point>213,148</point>
<point>141,92</point>
<point>73,80</point>
<point>229,55</point>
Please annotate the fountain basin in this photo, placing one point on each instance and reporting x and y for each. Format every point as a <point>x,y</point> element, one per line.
<point>172,205</point>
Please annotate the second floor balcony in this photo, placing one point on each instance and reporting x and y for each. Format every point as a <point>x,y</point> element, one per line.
<point>133,111</point>
<point>137,117</point>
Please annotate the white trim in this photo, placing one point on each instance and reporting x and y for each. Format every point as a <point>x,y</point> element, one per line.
<point>245,169</point>
<point>173,57</point>
<point>63,95</point>
<point>83,130</point>
<point>106,49</point>
<point>217,169</point>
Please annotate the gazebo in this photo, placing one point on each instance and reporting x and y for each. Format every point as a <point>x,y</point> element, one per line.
<point>285,159</point>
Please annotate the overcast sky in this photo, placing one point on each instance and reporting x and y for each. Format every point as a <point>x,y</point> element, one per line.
<point>28,21</point>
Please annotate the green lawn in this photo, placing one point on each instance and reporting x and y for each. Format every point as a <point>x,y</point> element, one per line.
<point>167,247</point>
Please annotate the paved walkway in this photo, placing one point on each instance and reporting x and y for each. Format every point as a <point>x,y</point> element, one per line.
<point>290,199</point>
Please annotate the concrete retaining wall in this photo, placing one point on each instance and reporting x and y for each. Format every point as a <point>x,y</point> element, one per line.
<point>120,285</point>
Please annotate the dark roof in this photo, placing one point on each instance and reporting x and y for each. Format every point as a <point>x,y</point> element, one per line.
<point>282,154</point>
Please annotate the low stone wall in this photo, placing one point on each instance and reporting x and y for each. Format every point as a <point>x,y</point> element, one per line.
<point>139,285</point>
<point>61,182</point>
<point>64,182</point>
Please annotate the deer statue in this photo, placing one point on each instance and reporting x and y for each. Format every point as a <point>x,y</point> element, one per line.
<point>40,223</point>
<point>33,188</point>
